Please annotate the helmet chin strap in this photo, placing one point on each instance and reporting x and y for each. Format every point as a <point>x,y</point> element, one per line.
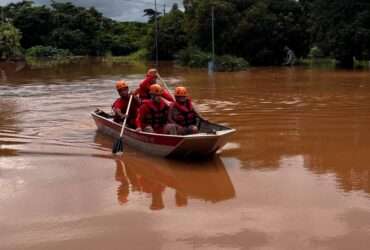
<point>181,100</point>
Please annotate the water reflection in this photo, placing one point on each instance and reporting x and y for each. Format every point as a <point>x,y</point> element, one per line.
<point>206,181</point>
<point>341,151</point>
<point>322,116</point>
<point>9,69</point>
<point>8,111</point>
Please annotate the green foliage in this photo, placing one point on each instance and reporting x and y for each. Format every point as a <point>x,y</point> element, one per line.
<point>230,63</point>
<point>152,14</point>
<point>35,23</point>
<point>196,58</point>
<point>128,37</point>
<point>47,52</point>
<point>323,63</point>
<point>135,58</point>
<point>341,28</point>
<point>256,30</point>
<point>73,40</point>
<point>315,52</point>
<point>83,31</point>
<point>193,57</point>
<point>171,37</point>
<point>43,63</point>
<point>9,41</point>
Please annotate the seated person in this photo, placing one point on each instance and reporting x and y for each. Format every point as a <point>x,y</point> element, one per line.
<point>153,113</point>
<point>119,107</point>
<point>143,90</point>
<point>182,117</point>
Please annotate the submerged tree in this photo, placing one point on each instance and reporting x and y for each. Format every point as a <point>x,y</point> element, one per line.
<point>171,35</point>
<point>9,41</point>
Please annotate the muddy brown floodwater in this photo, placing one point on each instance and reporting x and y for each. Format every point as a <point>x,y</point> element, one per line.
<point>295,175</point>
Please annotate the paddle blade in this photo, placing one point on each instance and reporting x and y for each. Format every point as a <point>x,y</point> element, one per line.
<point>117,146</point>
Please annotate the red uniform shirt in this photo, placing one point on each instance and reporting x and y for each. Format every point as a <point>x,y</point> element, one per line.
<point>121,104</point>
<point>152,114</point>
<point>143,90</point>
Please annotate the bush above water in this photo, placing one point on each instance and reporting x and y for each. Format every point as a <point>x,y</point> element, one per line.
<point>230,63</point>
<point>315,52</point>
<point>195,58</point>
<point>47,52</point>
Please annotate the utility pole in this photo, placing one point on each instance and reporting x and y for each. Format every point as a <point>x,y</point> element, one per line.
<point>164,8</point>
<point>156,33</point>
<point>211,64</point>
<point>213,34</point>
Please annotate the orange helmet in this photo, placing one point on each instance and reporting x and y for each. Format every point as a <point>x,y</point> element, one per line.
<point>121,84</point>
<point>155,89</point>
<point>181,91</point>
<point>152,72</point>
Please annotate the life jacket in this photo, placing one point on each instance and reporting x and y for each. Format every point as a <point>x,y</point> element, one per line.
<point>185,115</point>
<point>157,116</point>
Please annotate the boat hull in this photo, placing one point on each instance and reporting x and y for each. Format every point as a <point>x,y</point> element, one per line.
<point>202,144</point>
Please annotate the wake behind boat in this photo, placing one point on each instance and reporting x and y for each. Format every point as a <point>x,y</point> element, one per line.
<point>211,137</point>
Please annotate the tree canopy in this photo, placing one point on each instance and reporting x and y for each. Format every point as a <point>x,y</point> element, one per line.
<point>256,30</point>
<point>340,28</point>
<point>83,31</point>
<point>9,41</point>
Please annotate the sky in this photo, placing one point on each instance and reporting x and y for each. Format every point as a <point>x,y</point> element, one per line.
<point>123,10</point>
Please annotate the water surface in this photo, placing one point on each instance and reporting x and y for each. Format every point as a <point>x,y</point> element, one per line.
<point>294,176</point>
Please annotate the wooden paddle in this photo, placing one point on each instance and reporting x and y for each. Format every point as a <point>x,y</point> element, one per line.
<point>165,86</point>
<point>118,144</point>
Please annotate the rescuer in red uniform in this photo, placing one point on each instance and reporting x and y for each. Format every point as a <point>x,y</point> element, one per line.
<point>144,88</point>
<point>119,107</point>
<point>182,117</point>
<point>153,113</point>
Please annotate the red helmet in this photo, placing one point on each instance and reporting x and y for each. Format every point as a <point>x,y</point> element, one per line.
<point>155,89</point>
<point>181,91</point>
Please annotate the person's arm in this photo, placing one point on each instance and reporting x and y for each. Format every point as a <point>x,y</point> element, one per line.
<point>117,109</point>
<point>166,95</point>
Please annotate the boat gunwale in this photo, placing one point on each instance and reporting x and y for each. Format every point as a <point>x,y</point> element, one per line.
<point>193,136</point>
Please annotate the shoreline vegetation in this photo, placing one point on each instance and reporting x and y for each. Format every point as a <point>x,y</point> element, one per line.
<point>138,59</point>
<point>247,34</point>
